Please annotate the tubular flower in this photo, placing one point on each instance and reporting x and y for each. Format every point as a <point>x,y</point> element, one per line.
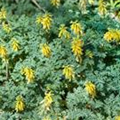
<point>46,51</point>
<point>102,7</point>
<point>20,106</point>
<point>3,14</point>
<point>15,44</point>
<point>45,21</point>
<point>117,118</point>
<point>39,20</point>
<point>3,51</point>
<point>29,73</point>
<point>63,32</point>
<point>55,3</point>
<point>76,28</point>
<point>68,72</point>
<point>6,27</point>
<point>77,47</point>
<point>112,35</point>
<point>47,101</point>
<point>108,36</point>
<point>91,89</point>
<point>116,35</point>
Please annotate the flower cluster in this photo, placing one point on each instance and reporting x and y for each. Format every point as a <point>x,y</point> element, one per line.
<point>15,44</point>
<point>112,35</point>
<point>47,101</point>
<point>20,106</point>
<point>91,89</point>
<point>76,28</point>
<point>68,72</point>
<point>3,52</point>
<point>29,74</point>
<point>3,14</point>
<point>45,20</point>
<point>63,32</point>
<point>3,18</point>
<point>45,49</point>
<point>77,47</point>
<point>6,27</point>
<point>102,7</point>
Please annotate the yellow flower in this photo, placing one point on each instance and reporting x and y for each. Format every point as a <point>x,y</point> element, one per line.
<point>102,7</point>
<point>108,36</point>
<point>47,101</point>
<point>3,51</point>
<point>91,89</point>
<point>116,34</point>
<point>63,32</point>
<point>20,106</point>
<point>68,72</point>
<point>39,20</point>
<point>15,44</point>
<point>55,3</point>
<point>76,28</point>
<point>29,73</point>
<point>45,20</point>
<point>77,47</point>
<point>6,27</point>
<point>46,51</point>
<point>117,118</point>
<point>112,35</point>
<point>3,14</point>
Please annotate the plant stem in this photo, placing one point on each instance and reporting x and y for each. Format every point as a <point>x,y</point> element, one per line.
<point>35,2</point>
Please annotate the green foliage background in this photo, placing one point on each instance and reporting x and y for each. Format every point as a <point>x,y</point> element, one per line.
<point>70,98</point>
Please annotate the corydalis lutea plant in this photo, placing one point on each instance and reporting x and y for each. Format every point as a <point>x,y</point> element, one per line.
<point>15,44</point>
<point>63,32</point>
<point>68,72</point>
<point>20,106</point>
<point>29,74</point>
<point>112,35</point>
<point>46,50</point>
<point>46,45</point>
<point>45,20</point>
<point>3,14</point>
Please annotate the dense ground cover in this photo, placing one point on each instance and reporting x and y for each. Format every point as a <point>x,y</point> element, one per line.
<point>59,60</point>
